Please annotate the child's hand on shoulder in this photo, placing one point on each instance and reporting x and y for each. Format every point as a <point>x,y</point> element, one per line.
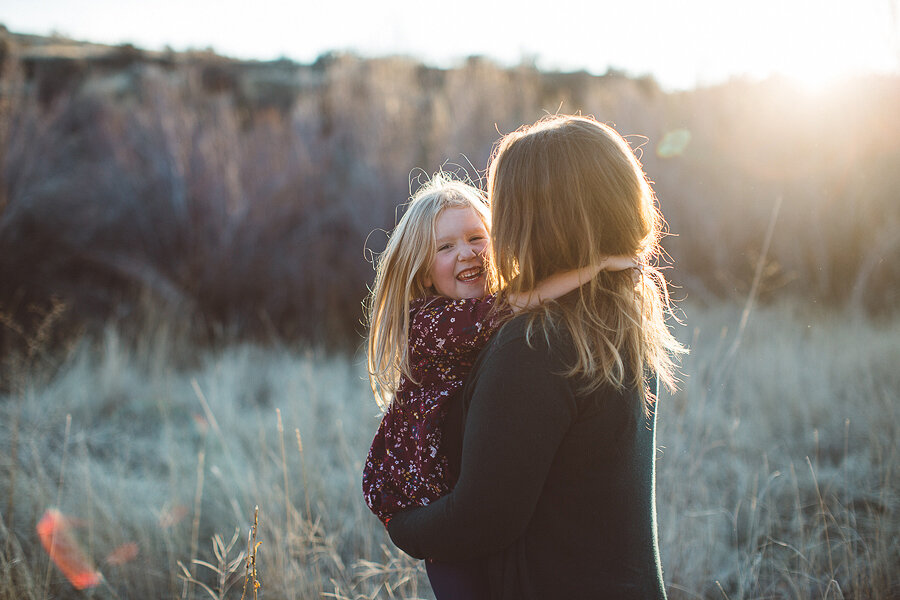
<point>618,262</point>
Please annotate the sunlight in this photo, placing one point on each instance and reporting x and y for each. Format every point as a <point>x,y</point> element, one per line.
<point>819,44</point>
<point>683,44</point>
<point>817,81</point>
<point>823,76</point>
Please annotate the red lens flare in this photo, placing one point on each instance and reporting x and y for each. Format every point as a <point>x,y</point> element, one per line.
<point>55,532</point>
<point>122,554</point>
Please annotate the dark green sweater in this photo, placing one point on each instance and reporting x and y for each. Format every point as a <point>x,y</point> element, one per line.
<point>556,489</point>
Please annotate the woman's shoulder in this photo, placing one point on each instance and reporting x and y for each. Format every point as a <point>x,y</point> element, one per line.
<point>522,339</point>
<point>527,330</point>
<point>520,359</point>
<point>514,331</point>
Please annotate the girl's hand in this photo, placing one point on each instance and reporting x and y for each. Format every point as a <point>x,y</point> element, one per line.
<point>619,262</point>
<point>563,282</point>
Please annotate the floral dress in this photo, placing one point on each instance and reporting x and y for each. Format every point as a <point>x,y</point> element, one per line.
<point>405,466</point>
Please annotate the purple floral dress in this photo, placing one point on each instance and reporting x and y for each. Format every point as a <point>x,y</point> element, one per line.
<point>405,466</point>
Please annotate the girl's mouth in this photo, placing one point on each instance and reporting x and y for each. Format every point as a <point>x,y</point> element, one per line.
<point>470,275</point>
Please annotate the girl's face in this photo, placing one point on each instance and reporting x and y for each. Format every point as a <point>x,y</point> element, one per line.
<point>462,243</point>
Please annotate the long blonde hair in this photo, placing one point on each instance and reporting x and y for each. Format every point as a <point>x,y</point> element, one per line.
<point>565,192</point>
<point>399,278</point>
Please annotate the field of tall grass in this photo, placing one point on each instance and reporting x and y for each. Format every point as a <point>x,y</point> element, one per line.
<point>776,464</point>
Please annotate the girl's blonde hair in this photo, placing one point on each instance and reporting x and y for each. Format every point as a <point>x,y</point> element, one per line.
<point>565,192</point>
<point>399,275</point>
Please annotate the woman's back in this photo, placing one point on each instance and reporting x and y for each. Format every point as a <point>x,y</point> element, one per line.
<point>599,484</point>
<point>561,499</point>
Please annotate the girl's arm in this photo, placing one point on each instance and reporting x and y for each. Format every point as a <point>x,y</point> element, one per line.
<point>561,283</point>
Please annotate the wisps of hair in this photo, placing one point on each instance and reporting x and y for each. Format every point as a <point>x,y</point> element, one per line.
<point>400,271</point>
<point>566,192</point>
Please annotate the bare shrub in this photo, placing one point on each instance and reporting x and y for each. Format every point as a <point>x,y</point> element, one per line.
<point>239,197</point>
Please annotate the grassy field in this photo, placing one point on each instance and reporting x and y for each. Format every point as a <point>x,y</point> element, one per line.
<point>776,466</point>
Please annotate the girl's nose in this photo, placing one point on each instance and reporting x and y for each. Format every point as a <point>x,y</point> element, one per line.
<point>467,253</point>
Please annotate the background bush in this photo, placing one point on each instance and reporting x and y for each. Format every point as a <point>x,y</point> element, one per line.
<point>241,196</point>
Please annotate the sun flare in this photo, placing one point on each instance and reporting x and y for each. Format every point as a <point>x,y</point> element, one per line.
<point>819,44</point>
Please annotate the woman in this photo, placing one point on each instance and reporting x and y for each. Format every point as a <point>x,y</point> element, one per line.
<point>555,496</point>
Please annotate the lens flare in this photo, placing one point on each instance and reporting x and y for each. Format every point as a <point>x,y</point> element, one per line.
<point>55,532</point>
<point>122,554</point>
<point>172,516</point>
<point>674,143</point>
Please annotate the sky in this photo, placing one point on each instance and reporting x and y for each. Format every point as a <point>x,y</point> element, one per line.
<point>682,43</point>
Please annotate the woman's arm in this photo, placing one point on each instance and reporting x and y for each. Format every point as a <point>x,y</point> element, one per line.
<point>561,283</point>
<point>520,411</point>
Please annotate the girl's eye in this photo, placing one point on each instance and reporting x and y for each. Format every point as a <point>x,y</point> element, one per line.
<point>443,247</point>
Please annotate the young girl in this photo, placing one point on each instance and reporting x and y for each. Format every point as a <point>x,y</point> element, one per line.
<point>430,313</point>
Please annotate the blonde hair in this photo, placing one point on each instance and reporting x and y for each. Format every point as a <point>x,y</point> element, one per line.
<point>400,272</point>
<point>565,192</point>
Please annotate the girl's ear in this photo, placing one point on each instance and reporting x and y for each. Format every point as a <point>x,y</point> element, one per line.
<point>426,279</point>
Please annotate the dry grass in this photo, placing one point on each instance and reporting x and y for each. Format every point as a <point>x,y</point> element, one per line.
<point>175,459</point>
<point>776,475</point>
